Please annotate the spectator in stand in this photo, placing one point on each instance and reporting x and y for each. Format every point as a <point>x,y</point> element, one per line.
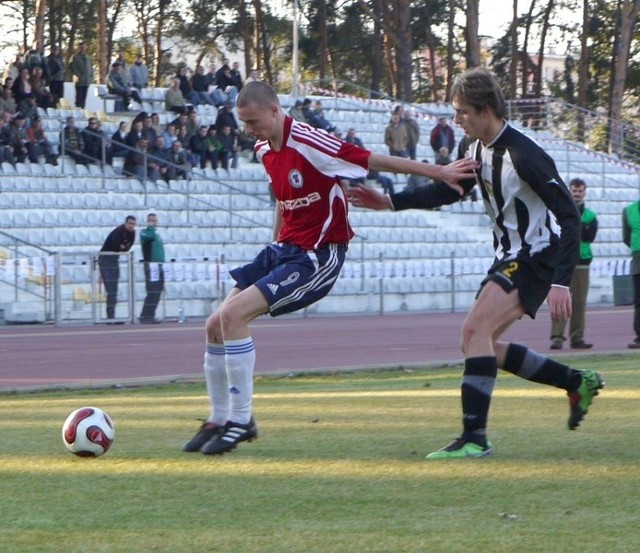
<point>118,140</point>
<point>39,145</point>
<point>174,100</point>
<point>443,157</point>
<point>315,119</point>
<point>192,123</point>
<point>396,137</point>
<point>8,102</point>
<point>6,144</point>
<point>225,83</point>
<point>170,135</point>
<point>160,156</point>
<point>236,76</point>
<point>579,286</point>
<point>117,84</point>
<point>413,131</point>
<point>136,163</point>
<point>382,180</point>
<point>35,58</point>
<point>155,123</point>
<point>181,120</point>
<point>19,138</point>
<point>94,138</point>
<point>153,256</point>
<point>185,87</point>
<point>229,148</point>
<point>184,138</point>
<point>148,129</point>
<point>119,240</point>
<point>139,73</point>
<point>198,147</point>
<point>217,95</point>
<point>180,157</point>
<point>442,135</point>
<point>72,141</point>
<point>29,108</point>
<point>226,118</point>
<point>22,86</point>
<point>631,237</point>
<point>135,134</point>
<point>200,85</point>
<point>55,68</point>
<point>296,112</point>
<point>254,75</point>
<point>39,87</point>
<point>82,70</point>
<point>214,147</point>
<point>13,70</point>
<point>246,142</point>
<point>416,181</point>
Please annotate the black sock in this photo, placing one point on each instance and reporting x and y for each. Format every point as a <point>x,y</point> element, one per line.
<point>477,386</point>
<point>528,364</point>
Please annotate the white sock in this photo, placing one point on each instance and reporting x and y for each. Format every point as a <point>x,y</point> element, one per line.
<point>215,372</point>
<point>241,358</point>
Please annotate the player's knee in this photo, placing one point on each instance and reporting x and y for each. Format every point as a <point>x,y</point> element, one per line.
<point>213,328</point>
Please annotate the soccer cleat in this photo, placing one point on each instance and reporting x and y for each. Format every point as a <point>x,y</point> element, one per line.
<point>462,449</point>
<point>580,400</point>
<point>207,432</point>
<point>556,344</point>
<point>232,434</point>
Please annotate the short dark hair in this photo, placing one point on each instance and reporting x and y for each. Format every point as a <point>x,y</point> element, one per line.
<point>577,182</point>
<point>129,218</point>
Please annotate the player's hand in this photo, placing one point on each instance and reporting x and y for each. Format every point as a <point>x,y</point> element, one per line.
<point>458,170</point>
<point>363,196</point>
<point>559,300</point>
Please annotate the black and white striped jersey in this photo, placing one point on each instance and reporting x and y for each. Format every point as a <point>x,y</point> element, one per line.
<point>530,207</point>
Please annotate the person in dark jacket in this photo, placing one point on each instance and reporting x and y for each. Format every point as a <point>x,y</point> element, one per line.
<point>119,241</point>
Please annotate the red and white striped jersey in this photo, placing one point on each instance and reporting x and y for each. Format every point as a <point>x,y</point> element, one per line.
<point>305,175</point>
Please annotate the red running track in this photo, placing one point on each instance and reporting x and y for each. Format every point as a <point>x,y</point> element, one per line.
<point>37,357</point>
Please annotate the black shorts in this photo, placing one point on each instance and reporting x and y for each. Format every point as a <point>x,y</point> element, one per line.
<point>531,276</point>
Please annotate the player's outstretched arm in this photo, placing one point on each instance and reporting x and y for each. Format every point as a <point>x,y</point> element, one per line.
<point>452,174</point>
<point>363,196</point>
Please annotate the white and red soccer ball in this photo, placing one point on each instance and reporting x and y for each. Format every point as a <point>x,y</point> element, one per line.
<point>88,432</point>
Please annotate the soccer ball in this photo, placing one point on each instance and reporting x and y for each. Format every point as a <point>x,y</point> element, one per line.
<point>88,432</point>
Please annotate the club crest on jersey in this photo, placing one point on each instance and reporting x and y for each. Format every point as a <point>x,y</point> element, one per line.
<point>295,178</point>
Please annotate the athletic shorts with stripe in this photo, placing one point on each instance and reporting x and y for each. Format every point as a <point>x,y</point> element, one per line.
<point>531,276</point>
<point>290,277</point>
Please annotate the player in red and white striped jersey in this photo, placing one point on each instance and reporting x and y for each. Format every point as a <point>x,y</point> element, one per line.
<point>311,235</point>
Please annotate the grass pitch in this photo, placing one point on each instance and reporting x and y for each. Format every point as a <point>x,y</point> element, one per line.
<point>339,467</point>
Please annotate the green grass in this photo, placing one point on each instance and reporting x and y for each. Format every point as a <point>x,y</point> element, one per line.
<point>339,467</point>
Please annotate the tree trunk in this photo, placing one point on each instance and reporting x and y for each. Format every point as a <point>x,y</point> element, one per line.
<point>513,66</point>
<point>404,49</point>
<point>431,44</point>
<point>101,30</point>
<point>628,17</point>
<point>263,38</point>
<point>324,40</point>
<point>543,42</point>
<point>245,30</point>
<point>525,50</point>
<point>38,31</point>
<point>451,67</point>
<point>583,70</point>
<point>158,41</point>
<point>471,34</point>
